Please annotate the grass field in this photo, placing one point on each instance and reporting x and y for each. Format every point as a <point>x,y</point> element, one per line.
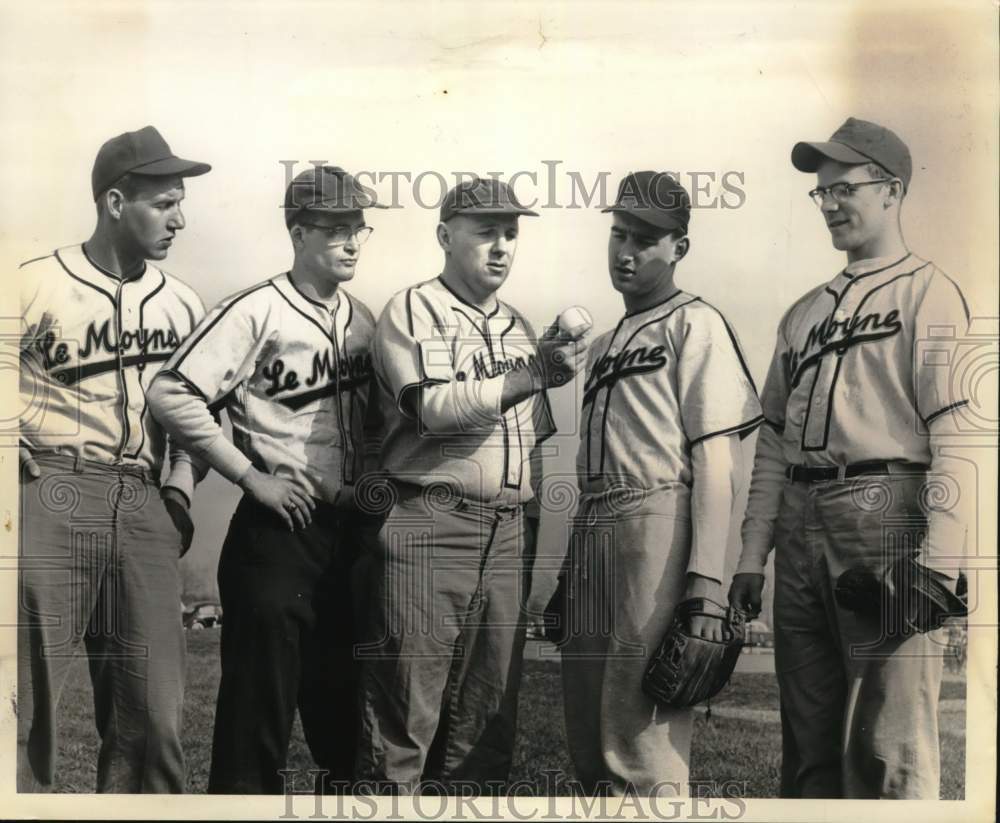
<point>727,747</point>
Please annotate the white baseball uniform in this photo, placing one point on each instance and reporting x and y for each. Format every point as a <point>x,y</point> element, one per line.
<point>97,543</point>
<point>456,356</point>
<point>293,374</point>
<point>863,370</point>
<point>92,345</point>
<point>660,387</point>
<point>452,569</point>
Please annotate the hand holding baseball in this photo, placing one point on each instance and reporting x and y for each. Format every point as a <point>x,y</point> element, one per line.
<point>563,350</point>
<point>574,322</point>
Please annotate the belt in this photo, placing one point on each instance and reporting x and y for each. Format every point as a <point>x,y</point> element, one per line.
<point>447,499</point>
<point>817,474</point>
<point>82,465</point>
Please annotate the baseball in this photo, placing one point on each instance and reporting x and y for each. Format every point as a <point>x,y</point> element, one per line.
<point>575,321</point>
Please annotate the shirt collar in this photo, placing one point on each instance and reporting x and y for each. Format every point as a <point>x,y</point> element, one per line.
<point>78,263</point>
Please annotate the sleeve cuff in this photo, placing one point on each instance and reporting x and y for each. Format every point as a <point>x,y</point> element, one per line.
<point>227,460</point>
<point>488,400</point>
<point>752,560</point>
<point>181,477</point>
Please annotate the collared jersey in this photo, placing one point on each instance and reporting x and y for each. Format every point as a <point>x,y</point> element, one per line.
<point>663,379</point>
<point>429,339</point>
<point>864,362</point>
<point>293,375</point>
<point>90,346</point>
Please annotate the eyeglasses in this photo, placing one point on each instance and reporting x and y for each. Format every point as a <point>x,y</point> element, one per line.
<point>339,235</point>
<point>842,191</point>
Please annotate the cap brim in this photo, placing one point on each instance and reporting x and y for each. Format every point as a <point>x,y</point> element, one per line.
<point>337,207</point>
<point>809,156</point>
<point>651,216</point>
<point>173,166</point>
<point>498,210</point>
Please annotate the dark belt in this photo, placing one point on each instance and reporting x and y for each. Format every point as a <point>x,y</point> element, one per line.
<point>817,474</point>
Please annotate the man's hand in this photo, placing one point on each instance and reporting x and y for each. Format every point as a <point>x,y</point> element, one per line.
<point>285,498</point>
<point>28,464</point>
<point>745,593</point>
<point>177,506</point>
<point>710,628</point>
<point>561,356</point>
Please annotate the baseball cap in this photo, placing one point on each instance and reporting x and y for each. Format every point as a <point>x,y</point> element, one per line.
<point>143,152</point>
<point>856,142</point>
<point>654,197</point>
<point>326,188</point>
<point>482,196</point>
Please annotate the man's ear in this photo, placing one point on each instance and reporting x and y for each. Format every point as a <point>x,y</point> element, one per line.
<point>681,248</point>
<point>295,233</point>
<point>444,236</point>
<point>894,193</point>
<point>114,202</point>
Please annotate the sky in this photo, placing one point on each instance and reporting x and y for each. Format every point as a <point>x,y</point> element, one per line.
<point>717,92</point>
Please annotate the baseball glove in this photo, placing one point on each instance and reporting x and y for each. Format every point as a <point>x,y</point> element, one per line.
<point>907,594</point>
<point>685,669</point>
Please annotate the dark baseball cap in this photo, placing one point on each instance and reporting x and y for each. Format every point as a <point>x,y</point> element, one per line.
<point>655,198</point>
<point>856,142</point>
<point>482,196</point>
<point>329,189</point>
<point>142,152</point>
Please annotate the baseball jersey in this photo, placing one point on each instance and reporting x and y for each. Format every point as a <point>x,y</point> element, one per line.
<point>91,344</point>
<point>861,365</point>
<point>293,375</point>
<point>662,380</point>
<point>440,365</point>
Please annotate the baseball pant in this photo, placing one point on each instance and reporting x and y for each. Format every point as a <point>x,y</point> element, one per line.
<point>442,664</point>
<point>287,635</point>
<point>858,703</point>
<point>627,572</point>
<point>99,563</point>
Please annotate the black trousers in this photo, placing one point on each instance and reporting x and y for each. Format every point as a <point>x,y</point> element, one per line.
<point>287,637</point>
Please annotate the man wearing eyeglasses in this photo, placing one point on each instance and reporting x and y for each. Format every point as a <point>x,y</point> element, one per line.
<point>289,360</point>
<point>844,478</point>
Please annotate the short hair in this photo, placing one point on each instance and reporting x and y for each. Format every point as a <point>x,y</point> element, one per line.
<point>878,172</point>
<point>299,218</point>
<point>131,183</point>
<point>128,184</point>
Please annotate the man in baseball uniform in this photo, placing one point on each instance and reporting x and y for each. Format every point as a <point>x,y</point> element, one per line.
<point>666,401</point>
<point>289,360</point>
<point>461,382</point>
<point>100,536</point>
<point>855,414</point>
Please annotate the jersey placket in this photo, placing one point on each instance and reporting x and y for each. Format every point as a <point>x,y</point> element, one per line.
<point>514,457</point>
<point>819,410</point>
<point>509,464</point>
<point>347,443</point>
<point>122,378</point>
<point>599,409</point>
